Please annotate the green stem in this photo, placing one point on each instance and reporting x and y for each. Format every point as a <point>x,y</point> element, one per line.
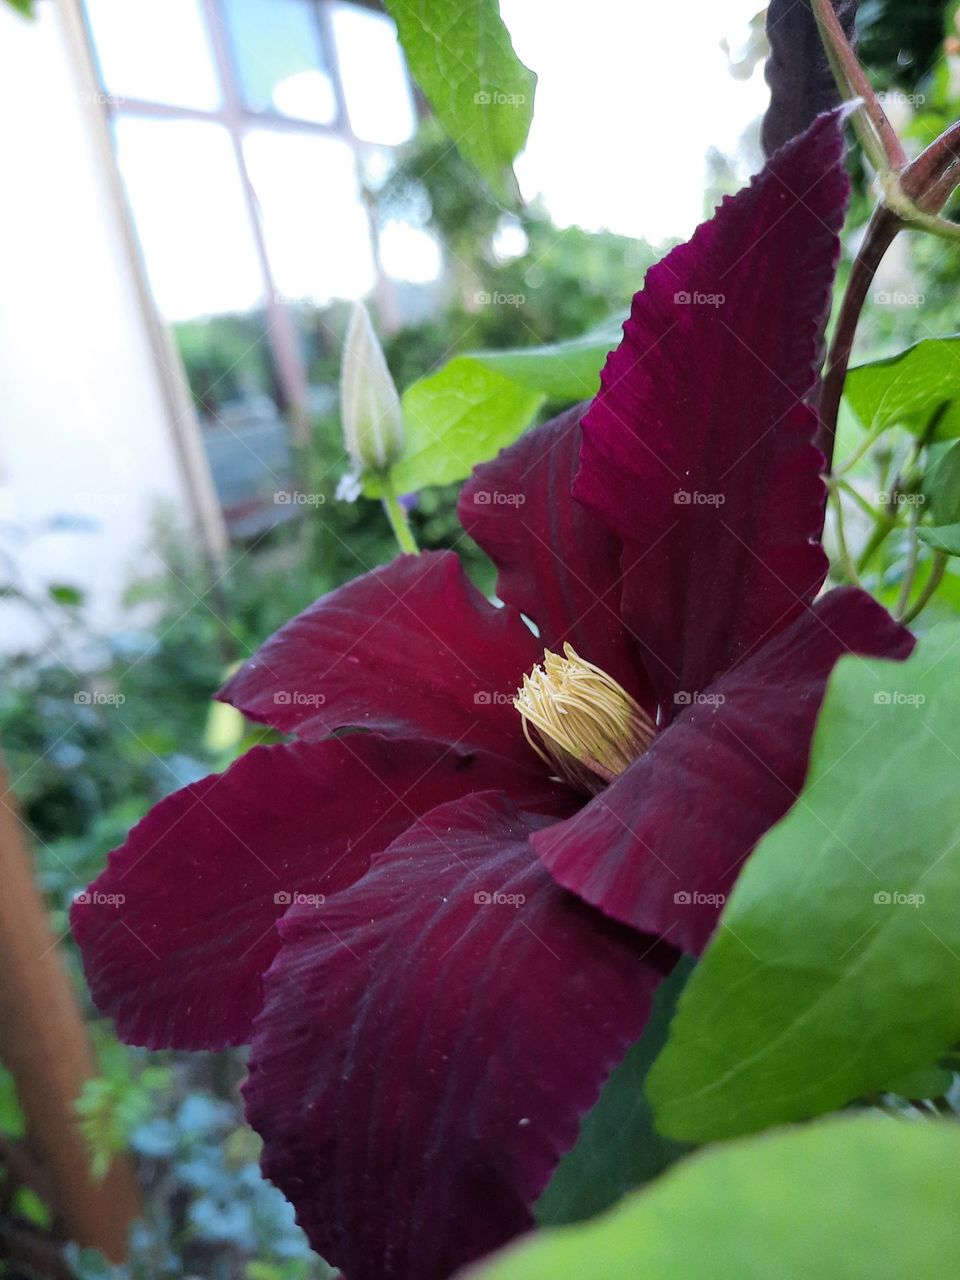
<point>844,486</point>
<point>876,132</point>
<point>937,570</point>
<point>884,527</point>
<point>399,522</point>
<point>863,448</point>
<point>846,559</point>
<point>912,562</point>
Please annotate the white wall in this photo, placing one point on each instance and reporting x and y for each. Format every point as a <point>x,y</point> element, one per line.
<point>84,427</point>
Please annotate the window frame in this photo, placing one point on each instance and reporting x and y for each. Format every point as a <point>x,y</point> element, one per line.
<point>239,119</point>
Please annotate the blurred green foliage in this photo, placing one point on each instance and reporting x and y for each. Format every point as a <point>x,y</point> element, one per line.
<point>901,40</point>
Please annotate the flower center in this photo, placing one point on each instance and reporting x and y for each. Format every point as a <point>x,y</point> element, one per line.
<point>587,727</point>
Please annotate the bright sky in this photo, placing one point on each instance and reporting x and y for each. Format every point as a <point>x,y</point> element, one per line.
<point>631,97</point>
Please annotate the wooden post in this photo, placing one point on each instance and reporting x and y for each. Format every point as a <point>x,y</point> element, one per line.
<point>44,1043</point>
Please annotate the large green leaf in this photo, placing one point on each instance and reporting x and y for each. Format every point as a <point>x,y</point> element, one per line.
<point>618,1149</point>
<point>944,537</point>
<point>461,55</point>
<point>836,965</point>
<point>567,370</point>
<point>454,419</point>
<point>843,1199</point>
<point>941,486</point>
<point>910,389</point>
<point>925,1082</point>
<point>941,493</point>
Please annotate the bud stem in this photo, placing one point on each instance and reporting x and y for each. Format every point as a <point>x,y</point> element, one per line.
<point>876,134</point>
<point>399,522</point>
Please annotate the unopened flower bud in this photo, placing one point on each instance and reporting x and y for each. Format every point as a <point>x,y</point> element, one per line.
<point>369,404</point>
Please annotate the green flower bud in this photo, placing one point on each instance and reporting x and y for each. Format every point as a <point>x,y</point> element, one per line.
<point>369,404</point>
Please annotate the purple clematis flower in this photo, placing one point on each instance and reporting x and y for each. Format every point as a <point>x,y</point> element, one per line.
<point>386,915</point>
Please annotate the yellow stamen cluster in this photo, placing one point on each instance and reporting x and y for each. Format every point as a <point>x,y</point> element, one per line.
<point>588,728</point>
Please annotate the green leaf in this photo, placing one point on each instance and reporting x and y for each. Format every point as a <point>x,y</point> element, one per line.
<point>618,1149</point>
<point>28,1204</point>
<point>941,538</point>
<point>12,1123</point>
<point>941,487</point>
<point>846,1198</point>
<point>925,1082</point>
<point>836,963</point>
<point>461,56</point>
<point>23,6</point>
<point>64,593</point>
<point>454,419</point>
<point>910,388</point>
<point>562,370</point>
<point>110,1108</point>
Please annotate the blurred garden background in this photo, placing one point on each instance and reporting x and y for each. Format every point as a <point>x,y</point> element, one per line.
<point>196,190</point>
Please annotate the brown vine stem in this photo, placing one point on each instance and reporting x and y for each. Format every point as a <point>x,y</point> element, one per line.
<point>44,1044</point>
<point>914,193</point>
<point>930,180</point>
<point>880,233</point>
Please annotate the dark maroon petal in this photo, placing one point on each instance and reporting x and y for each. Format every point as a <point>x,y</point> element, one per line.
<point>557,561</point>
<point>698,450</point>
<point>177,931</point>
<point>797,69</point>
<point>682,819</point>
<point>411,650</point>
<point>426,1051</point>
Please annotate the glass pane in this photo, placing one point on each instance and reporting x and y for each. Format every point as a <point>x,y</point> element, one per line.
<point>182,181</point>
<point>409,252</point>
<point>375,84</point>
<point>156,50</point>
<point>314,222</point>
<point>184,188</point>
<point>279,58</point>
